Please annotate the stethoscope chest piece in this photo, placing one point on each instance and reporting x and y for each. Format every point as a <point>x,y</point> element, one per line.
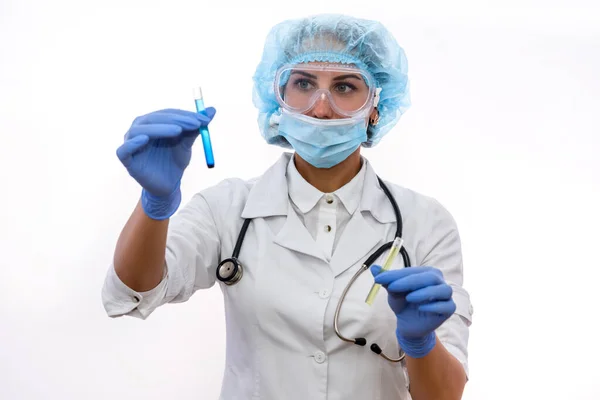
<point>229,271</point>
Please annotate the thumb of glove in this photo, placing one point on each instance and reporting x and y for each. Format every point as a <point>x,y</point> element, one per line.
<point>375,270</point>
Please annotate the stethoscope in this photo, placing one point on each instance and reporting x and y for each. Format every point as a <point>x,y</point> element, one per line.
<point>230,271</point>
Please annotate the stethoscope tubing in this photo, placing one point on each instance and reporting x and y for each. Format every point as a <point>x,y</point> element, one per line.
<point>234,268</point>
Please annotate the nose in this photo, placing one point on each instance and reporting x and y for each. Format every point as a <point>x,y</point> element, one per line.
<point>322,109</point>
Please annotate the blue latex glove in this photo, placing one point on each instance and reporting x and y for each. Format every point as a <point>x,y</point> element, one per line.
<point>156,151</point>
<point>421,300</point>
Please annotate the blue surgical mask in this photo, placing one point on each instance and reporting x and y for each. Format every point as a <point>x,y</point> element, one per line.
<point>323,143</point>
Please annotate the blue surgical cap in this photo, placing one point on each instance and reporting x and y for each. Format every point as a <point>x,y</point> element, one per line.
<point>336,39</point>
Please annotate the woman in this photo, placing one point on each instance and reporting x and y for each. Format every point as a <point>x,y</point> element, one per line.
<point>326,86</point>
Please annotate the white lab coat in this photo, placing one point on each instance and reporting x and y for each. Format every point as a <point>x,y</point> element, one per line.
<point>279,317</point>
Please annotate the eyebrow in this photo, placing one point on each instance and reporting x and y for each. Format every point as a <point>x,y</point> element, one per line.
<point>337,78</point>
<point>342,77</point>
<point>304,74</point>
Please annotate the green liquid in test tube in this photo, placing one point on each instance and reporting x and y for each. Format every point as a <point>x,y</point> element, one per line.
<point>393,252</point>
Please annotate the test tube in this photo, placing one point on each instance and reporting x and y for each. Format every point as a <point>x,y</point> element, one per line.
<point>208,152</point>
<point>391,256</point>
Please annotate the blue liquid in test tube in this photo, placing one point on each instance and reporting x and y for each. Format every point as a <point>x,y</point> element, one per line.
<point>208,152</point>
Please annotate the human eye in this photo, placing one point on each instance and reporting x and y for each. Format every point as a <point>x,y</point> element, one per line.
<point>345,88</point>
<point>303,84</point>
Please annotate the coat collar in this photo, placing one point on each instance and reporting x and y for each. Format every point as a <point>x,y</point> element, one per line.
<point>269,194</point>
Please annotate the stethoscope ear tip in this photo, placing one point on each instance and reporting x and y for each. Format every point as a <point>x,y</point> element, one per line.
<point>360,341</point>
<point>375,348</point>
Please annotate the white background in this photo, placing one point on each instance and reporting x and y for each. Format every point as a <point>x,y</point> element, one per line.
<point>503,131</point>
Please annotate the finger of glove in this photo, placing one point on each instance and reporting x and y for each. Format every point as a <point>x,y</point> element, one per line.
<point>130,147</point>
<point>414,282</point>
<point>387,277</point>
<point>390,276</point>
<point>187,122</point>
<point>189,138</point>
<point>208,112</point>
<point>204,116</point>
<point>430,294</point>
<point>156,131</point>
<point>447,307</point>
<point>183,113</point>
<point>375,270</point>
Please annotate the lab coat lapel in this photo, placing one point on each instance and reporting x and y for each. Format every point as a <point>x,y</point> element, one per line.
<point>358,240</point>
<point>294,236</point>
<point>269,197</point>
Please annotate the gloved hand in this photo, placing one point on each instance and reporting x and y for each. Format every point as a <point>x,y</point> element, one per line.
<point>421,300</point>
<point>156,151</point>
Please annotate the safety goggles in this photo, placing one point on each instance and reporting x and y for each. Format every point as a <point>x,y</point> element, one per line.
<point>348,90</point>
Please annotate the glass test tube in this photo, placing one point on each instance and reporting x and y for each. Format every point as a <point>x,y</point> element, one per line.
<point>206,143</point>
<point>393,252</point>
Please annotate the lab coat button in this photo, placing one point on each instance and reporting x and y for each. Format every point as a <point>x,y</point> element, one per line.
<point>136,299</point>
<point>329,200</point>
<point>320,357</point>
<point>324,293</point>
<point>327,228</point>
